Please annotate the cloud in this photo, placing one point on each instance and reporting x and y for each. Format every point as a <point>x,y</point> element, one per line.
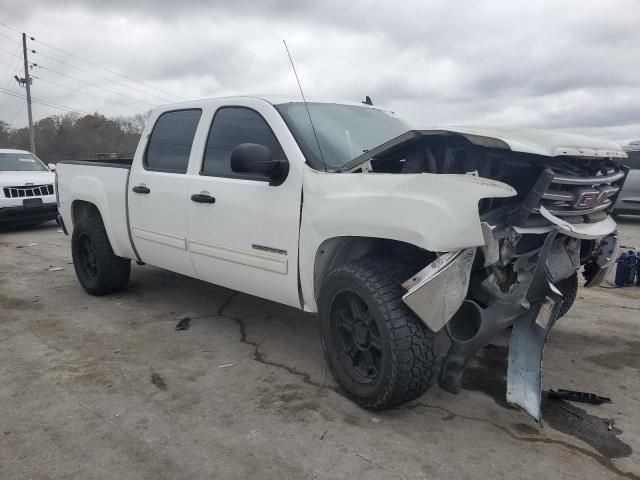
<point>569,65</point>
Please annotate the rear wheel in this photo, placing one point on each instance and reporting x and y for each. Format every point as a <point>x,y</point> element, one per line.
<point>379,352</point>
<point>98,269</point>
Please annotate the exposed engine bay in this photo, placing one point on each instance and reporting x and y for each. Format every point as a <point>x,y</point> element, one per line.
<point>525,275</point>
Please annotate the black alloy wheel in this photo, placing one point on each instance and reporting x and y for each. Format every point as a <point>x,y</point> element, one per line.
<point>88,257</point>
<point>98,269</point>
<point>359,340</point>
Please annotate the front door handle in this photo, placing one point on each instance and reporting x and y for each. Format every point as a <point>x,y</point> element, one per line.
<point>203,198</point>
<point>141,189</point>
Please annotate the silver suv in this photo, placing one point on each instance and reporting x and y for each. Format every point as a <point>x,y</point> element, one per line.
<point>629,198</point>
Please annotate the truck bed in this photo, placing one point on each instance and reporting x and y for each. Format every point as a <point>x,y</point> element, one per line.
<point>114,163</point>
<point>103,184</point>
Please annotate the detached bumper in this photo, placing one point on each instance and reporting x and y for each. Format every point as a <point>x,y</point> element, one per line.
<point>24,215</point>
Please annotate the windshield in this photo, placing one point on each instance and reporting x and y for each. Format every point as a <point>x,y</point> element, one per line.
<point>20,162</point>
<point>344,131</point>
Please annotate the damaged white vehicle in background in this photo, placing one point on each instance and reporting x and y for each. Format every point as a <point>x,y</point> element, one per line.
<point>398,238</point>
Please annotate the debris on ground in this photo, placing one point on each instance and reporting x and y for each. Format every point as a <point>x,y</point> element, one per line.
<point>227,365</point>
<point>322,436</point>
<point>54,269</point>
<point>574,396</point>
<point>183,324</point>
<point>611,423</point>
<point>575,414</point>
<point>376,420</point>
<point>27,245</point>
<point>158,381</point>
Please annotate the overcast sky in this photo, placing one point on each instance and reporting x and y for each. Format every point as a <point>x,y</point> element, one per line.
<point>571,65</point>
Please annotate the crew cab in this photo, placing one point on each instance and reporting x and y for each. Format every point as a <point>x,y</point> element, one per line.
<point>400,239</point>
<point>27,190</point>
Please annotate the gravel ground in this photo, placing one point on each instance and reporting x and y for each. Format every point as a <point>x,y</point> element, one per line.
<point>95,388</point>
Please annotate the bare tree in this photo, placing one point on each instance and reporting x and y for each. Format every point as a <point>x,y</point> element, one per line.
<point>72,136</point>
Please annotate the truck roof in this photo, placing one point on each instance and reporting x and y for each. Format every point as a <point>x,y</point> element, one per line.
<point>272,99</point>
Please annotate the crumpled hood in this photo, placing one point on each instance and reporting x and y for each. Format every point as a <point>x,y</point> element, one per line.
<point>526,140</point>
<point>20,179</point>
<point>542,142</point>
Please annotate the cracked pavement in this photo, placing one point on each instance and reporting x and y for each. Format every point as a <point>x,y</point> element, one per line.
<point>106,388</point>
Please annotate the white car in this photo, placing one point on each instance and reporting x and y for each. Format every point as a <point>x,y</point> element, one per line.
<point>396,237</point>
<point>27,189</point>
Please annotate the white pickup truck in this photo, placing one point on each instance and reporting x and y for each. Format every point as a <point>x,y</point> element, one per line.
<point>400,239</point>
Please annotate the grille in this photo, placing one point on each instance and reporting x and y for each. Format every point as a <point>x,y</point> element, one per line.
<point>30,191</point>
<point>571,195</point>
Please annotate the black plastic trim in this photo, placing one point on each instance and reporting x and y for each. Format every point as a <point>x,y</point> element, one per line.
<point>92,163</point>
<point>47,211</point>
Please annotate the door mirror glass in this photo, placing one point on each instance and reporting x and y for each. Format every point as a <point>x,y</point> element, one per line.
<point>258,159</point>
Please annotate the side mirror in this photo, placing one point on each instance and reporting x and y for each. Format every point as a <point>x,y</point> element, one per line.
<point>258,159</point>
<point>52,166</point>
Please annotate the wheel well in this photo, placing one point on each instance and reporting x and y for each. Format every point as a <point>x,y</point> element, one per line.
<point>81,209</point>
<point>341,250</point>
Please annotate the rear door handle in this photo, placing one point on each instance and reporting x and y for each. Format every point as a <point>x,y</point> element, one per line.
<point>203,198</point>
<point>141,189</point>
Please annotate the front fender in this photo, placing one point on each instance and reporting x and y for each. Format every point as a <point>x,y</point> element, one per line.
<point>435,212</point>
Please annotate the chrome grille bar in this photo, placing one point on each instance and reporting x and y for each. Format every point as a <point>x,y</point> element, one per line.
<point>568,211</point>
<point>559,196</point>
<point>613,177</point>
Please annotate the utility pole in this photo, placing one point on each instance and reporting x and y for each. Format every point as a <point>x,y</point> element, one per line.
<point>27,83</point>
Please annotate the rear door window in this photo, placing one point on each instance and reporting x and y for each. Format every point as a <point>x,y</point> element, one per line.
<point>171,140</point>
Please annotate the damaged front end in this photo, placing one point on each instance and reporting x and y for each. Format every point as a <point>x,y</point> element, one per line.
<point>558,223</point>
<point>531,303</point>
<point>479,296</point>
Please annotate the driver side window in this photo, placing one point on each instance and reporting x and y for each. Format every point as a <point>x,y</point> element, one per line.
<point>230,127</point>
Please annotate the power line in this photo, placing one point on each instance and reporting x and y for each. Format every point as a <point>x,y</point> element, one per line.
<point>85,93</point>
<point>7,79</point>
<point>9,64</point>
<point>10,94</point>
<point>10,27</point>
<point>94,85</point>
<point>164,99</point>
<point>15,112</point>
<point>114,72</point>
<point>108,69</point>
<point>7,51</point>
<point>43,102</point>
<point>10,38</point>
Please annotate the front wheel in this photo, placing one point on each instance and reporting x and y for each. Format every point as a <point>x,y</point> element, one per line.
<point>569,289</point>
<point>379,352</point>
<point>98,269</point>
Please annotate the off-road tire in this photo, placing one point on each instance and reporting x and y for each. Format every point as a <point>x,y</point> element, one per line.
<point>111,273</point>
<point>409,364</point>
<point>569,289</point>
